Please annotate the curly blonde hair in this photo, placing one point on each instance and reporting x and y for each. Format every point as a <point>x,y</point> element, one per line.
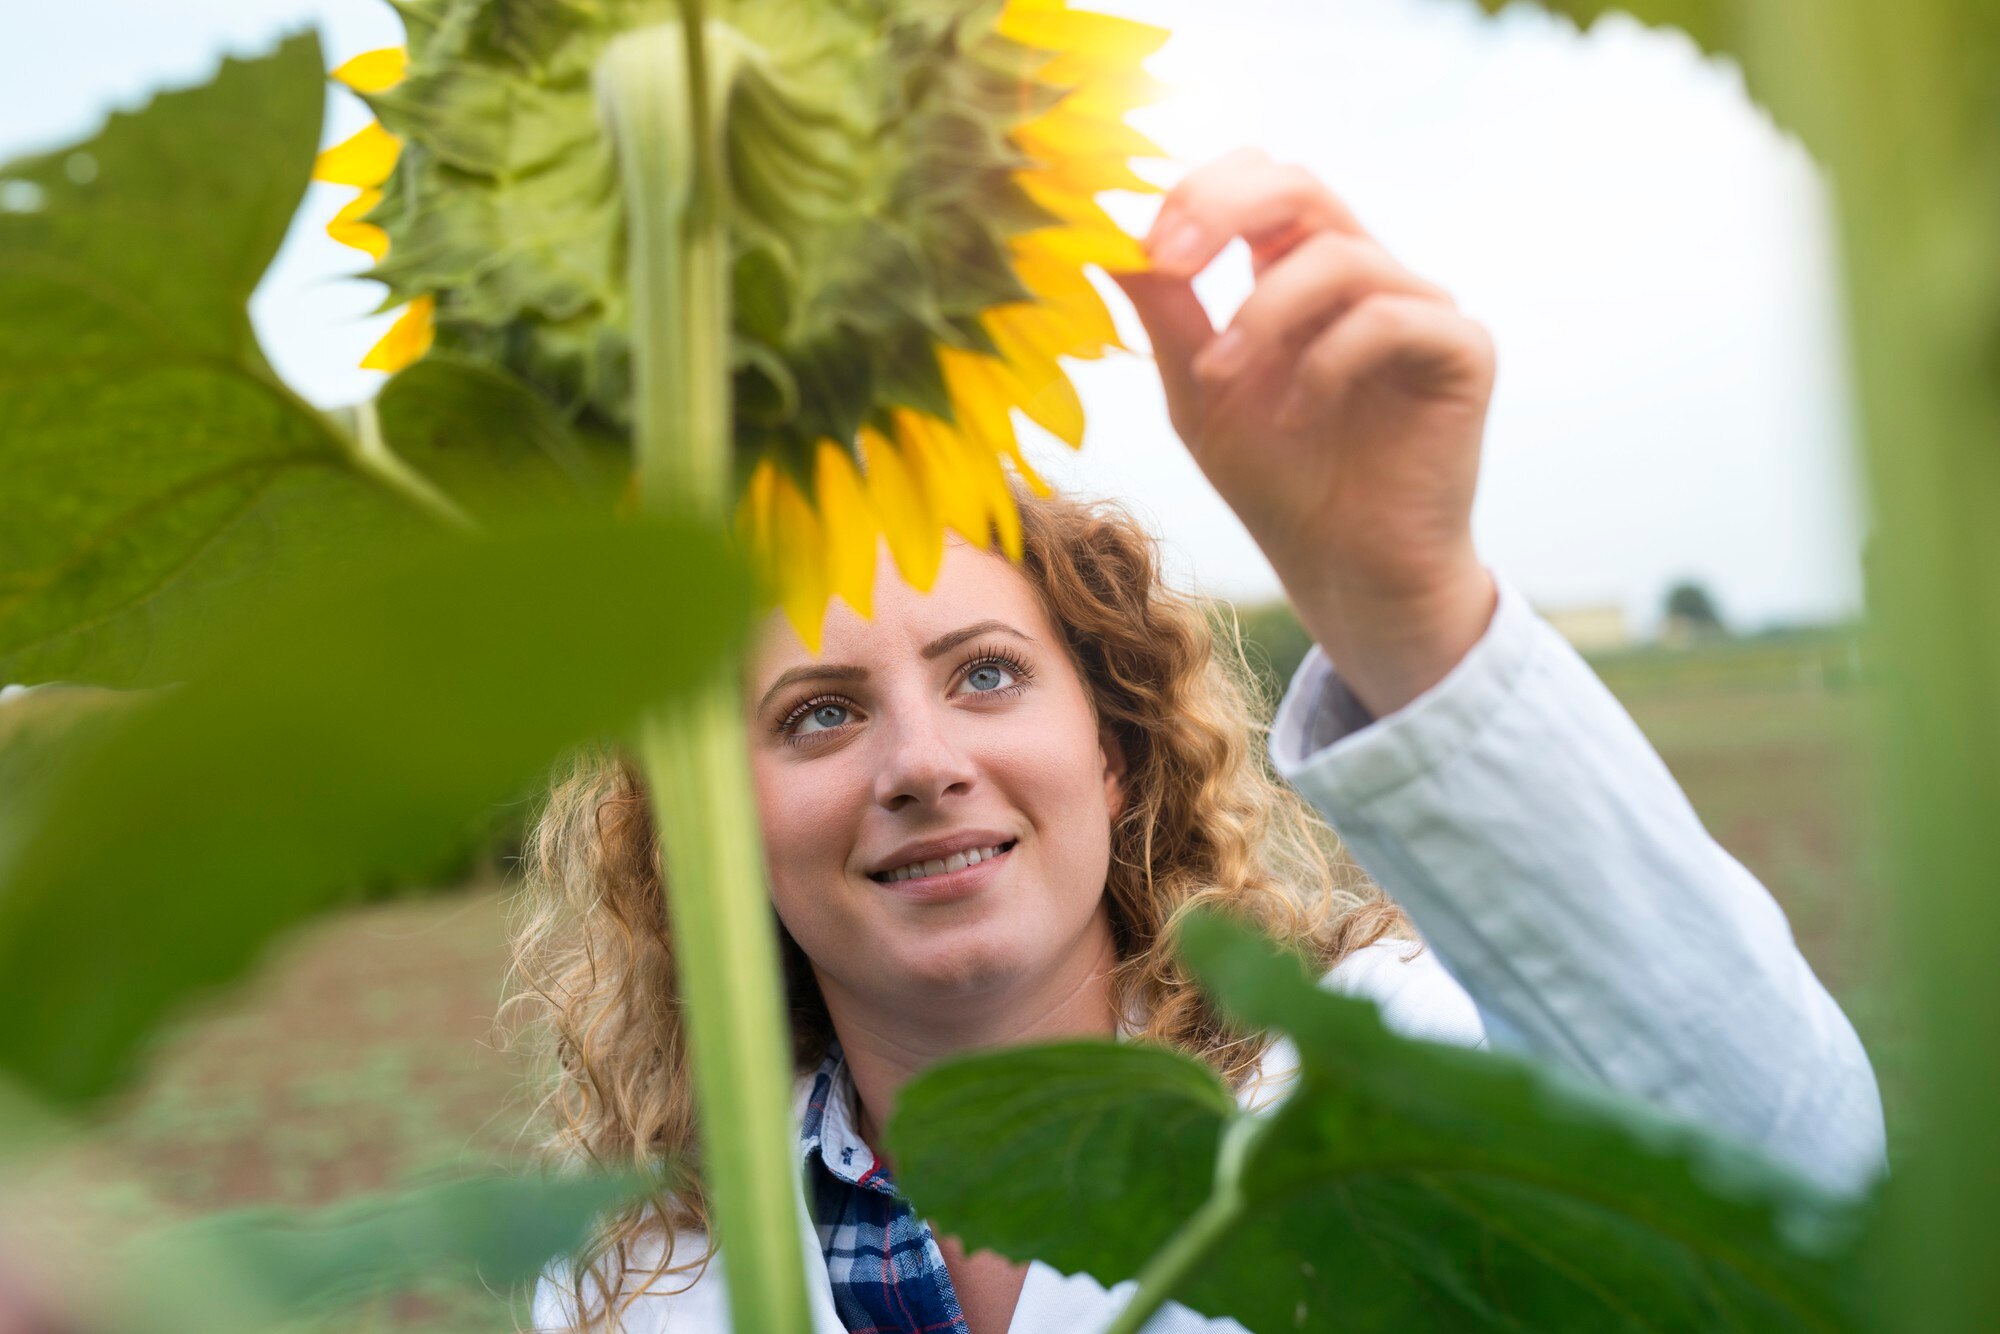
<point>1205,823</point>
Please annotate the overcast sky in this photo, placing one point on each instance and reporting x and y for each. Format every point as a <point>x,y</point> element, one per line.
<point>1654,260</point>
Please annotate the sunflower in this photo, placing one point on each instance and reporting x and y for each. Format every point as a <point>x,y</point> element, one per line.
<point>914,192</point>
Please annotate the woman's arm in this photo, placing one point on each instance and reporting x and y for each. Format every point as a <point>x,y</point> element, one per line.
<point>1545,853</point>
<point>1503,797</point>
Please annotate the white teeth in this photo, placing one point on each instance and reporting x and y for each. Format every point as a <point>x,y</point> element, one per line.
<point>958,861</point>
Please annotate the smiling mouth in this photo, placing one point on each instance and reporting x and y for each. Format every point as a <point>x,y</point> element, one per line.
<point>958,861</point>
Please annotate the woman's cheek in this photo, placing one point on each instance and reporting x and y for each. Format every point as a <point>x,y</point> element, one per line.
<point>811,813</point>
<point>1062,794</point>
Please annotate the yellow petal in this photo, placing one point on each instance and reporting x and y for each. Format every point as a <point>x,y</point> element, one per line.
<point>752,527</point>
<point>851,528</point>
<point>953,493</point>
<point>1091,176</point>
<point>348,228</point>
<point>1111,93</point>
<point>982,472</point>
<point>407,340</point>
<point>1087,235</point>
<point>753,508</point>
<point>983,410</point>
<point>1063,131</point>
<point>374,71</point>
<point>1081,33</point>
<point>365,160</point>
<point>1027,339</point>
<point>797,544</point>
<point>1037,384</point>
<point>916,539</point>
<point>1068,303</point>
<point>1063,197</point>
<point>1052,329</point>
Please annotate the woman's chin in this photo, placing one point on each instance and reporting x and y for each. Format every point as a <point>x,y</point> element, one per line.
<point>968,963</point>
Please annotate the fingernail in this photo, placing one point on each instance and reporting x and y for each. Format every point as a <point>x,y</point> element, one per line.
<point>1182,246</point>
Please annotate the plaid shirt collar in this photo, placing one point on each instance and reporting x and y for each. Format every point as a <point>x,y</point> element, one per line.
<point>887,1273</point>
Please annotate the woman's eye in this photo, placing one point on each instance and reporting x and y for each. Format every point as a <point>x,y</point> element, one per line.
<point>828,716</point>
<point>987,676</point>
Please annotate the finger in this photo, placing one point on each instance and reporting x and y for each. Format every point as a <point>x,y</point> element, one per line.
<point>1419,345</point>
<point>1303,293</point>
<point>1271,205</point>
<point>1178,327</point>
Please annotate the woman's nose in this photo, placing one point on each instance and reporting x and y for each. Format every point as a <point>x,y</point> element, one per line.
<point>924,764</point>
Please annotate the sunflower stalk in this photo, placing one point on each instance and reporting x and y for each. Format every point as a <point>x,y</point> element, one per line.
<point>660,98</point>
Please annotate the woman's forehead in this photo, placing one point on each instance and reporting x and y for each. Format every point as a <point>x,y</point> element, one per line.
<point>972,585</point>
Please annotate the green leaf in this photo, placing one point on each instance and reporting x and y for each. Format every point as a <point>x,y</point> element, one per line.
<point>152,456</point>
<point>157,467</point>
<point>1400,1185</point>
<point>251,1269</point>
<point>493,443</point>
<point>145,441</point>
<point>347,732</point>
<point>1045,1185</point>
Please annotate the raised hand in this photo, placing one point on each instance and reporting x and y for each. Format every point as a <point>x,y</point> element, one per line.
<point>1340,415</point>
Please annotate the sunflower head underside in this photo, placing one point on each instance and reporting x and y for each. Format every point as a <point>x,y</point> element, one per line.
<point>913,200</point>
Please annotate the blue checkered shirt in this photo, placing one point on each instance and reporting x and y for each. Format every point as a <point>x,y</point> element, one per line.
<point>887,1272</point>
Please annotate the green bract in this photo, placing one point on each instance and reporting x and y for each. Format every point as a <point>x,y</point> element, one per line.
<point>872,191</point>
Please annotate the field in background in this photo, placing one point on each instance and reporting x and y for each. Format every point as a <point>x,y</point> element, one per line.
<point>364,1053</point>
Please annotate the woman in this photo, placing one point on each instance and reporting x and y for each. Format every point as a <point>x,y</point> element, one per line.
<point>984,807</point>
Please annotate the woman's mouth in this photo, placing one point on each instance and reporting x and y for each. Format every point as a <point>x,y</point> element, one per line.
<point>962,871</point>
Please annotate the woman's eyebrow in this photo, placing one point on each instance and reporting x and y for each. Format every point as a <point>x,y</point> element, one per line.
<point>844,672</point>
<point>817,672</point>
<point>945,643</point>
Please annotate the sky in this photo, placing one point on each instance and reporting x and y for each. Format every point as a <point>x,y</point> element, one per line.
<point>1655,262</point>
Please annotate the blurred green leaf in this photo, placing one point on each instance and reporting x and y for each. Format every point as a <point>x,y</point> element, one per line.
<point>1088,1155</point>
<point>1401,1185</point>
<point>148,447</point>
<point>36,728</point>
<point>156,466</point>
<point>252,1269</point>
<point>348,730</point>
<point>1901,108</point>
<point>493,444</point>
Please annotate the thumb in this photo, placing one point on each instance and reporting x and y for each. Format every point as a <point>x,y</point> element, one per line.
<point>1178,327</point>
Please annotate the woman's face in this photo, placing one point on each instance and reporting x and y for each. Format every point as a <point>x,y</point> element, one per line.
<point>949,723</point>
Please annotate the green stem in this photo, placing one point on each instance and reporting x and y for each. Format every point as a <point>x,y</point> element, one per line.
<point>1203,1231</point>
<point>654,89</point>
<point>697,768</point>
<point>372,455</point>
<point>1909,139</point>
